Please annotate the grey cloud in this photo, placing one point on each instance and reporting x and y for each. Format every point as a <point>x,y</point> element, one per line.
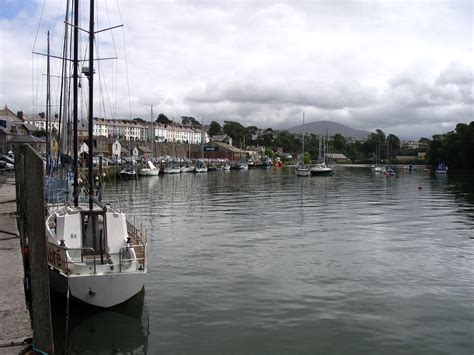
<point>329,96</point>
<point>457,74</point>
<point>367,64</point>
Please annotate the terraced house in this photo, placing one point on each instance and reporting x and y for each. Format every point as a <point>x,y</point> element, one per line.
<point>137,130</point>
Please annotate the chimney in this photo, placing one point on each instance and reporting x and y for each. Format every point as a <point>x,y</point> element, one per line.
<point>19,114</point>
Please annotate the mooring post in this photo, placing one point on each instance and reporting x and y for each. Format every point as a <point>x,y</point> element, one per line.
<point>33,197</point>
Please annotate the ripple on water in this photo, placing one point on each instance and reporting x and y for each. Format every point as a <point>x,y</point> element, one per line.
<point>265,262</point>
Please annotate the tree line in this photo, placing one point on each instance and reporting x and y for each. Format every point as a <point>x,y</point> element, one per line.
<point>363,152</point>
<point>454,148</point>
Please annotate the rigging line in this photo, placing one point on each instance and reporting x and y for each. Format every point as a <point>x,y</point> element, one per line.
<point>112,32</point>
<point>53,32</point>
<point>126,72</point>
<point>35,81</point>
<point>126,61</point>
<point>114,82</point>
<point>103,85</point>
<point>32,83</point>
<point>101,73</point>
<point>39,24</point>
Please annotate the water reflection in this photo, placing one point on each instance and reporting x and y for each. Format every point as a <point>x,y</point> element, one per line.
<point>461,186</point>
<point>122,329</point>
<point>259,262</point>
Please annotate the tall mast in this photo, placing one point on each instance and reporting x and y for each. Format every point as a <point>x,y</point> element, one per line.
<point>202,137</point>
<point>388,151</point>
<point>302,149</point>
<point>91,103</point>
<point>319,147</point>
<point>63,106</point>
<point>48,109</point>
<point>75,101</point>
<point>152,138</point>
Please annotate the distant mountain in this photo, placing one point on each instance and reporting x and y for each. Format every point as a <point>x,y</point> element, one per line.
<point>332,127</point>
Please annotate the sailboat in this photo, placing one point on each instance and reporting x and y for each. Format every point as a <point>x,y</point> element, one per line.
<point>201,166</point>
<point>302,169</point>
<point>149,169</point>
<point>377,168</point>
<point>321,168</point>
<point>94,254</point>
<point>172,168</point>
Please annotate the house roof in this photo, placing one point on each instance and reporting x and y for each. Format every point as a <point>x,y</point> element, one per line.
<point>9,118</point>
<point>8,115</point>
<point>5,131</point>
<point>26,138</point>
<point>29,127</point>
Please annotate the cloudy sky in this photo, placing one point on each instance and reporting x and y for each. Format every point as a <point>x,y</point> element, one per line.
<point>403,66</point>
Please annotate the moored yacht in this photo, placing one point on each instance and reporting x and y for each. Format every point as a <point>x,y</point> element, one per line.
<point>321,169</point>
<point>149,169</point>
<point>172,169</point>
<point>200,167</point>
<point>96,253</point>
<point>302,170</point>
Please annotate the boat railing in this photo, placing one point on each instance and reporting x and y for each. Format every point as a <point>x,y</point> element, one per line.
<point>130,254</point>
<point>136,234</point>
<point>86,251</point>
<point>64,258</point>
<point>61,257</point>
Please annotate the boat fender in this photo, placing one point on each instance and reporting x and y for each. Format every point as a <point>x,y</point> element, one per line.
<point>26,251</point>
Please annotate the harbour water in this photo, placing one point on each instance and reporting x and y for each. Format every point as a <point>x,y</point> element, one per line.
<point>265,262</point>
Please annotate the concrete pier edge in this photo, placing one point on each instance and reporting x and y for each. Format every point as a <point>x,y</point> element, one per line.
<point>15,328</point>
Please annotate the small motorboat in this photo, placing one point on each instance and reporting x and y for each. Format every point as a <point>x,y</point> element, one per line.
<point>201,167</point>
<point>128,173</point>
<point>441,169</point>
<point>302,170</point>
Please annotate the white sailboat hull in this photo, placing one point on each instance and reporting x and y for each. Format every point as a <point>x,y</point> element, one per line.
<point>101,290</point>
<point>149,172</point>
<point>302,172</point>
<point>321,169</point>
<point>172,171</point>
<point>96,253</point>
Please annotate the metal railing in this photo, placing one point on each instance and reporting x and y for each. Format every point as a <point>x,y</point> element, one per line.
<point>136,234</point>
<point>56,260</point>
<point>82,256</point>
<point>139,260</point>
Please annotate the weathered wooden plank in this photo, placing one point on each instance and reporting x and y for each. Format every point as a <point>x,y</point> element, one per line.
<point>35,225</point>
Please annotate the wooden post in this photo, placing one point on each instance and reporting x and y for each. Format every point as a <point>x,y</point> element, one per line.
<point>33,198</point>
<point>19,184</point>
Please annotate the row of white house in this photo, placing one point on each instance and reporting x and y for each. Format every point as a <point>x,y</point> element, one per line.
<point>143,131</point>
<point>131,130</point>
